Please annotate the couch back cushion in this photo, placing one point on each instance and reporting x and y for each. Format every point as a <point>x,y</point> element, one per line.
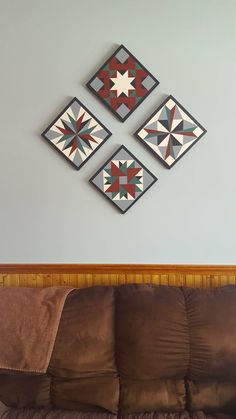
<point>137,348</point>
<point>211,377</point>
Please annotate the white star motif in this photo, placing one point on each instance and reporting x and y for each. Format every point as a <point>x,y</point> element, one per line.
<point>122,83</point>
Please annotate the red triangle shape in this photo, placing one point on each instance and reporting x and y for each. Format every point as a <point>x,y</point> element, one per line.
<point>115,171</point>
<point>130,189</point>
<point>132,172</point>
<point>115,187</point>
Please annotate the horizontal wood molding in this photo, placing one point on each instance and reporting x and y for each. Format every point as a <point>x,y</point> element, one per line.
<point>116,269</point>
<point>86,275</point>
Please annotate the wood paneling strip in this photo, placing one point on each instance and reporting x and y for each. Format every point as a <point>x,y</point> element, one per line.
<point>117,269</point>
<point>80,276</point>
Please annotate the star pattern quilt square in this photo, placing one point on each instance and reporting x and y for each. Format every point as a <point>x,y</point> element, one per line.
<point>123,179</point>
<point>170,132</point>
<point>76,133</point>
<point>122,83</point>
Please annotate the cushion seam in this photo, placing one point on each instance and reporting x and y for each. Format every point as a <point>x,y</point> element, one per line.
<point>187,394</point>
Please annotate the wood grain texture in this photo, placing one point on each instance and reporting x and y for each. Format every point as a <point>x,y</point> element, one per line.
<point>80,276</point>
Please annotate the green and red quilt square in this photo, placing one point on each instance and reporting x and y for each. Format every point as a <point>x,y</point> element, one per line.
<point>122,83</point>
<point>123,179</point>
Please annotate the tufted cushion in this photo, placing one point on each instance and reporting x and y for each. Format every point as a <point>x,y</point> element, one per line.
<point>137,351</point>
<point>67,414</point>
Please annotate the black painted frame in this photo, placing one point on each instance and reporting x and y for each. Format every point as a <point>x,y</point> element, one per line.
<point>152,115</point>
<point>59,116</point>
<point>103,101</point>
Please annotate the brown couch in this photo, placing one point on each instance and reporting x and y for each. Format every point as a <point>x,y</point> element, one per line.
<point>135,351</point>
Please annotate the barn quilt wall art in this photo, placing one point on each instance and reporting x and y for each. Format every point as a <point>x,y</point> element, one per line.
<point>122,83</point>
<point>76,133</point>
<point>123,179</point>
<point>170,132</point>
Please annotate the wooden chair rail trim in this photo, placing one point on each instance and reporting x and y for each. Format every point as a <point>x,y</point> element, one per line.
<point>135,269</point>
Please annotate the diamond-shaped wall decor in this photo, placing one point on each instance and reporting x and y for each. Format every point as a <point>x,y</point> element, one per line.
<point>170,132</point>
<point>76,133</point>
<point>122,83</point>
<point>123,179</point>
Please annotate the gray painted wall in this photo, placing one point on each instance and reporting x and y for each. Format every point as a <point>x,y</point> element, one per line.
<point>49,212</point>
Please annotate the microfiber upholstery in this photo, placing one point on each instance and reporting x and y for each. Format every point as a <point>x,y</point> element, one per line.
<point>135,352</point>
<point>67,414</point>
